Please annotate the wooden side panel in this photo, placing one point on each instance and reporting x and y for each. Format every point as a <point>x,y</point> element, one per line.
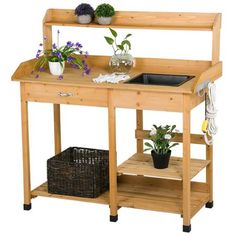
<point>66,95</point>
<point>148,100</point>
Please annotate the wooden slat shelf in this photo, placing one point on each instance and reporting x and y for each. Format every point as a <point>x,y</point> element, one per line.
<point>138,20</point>
<point>42,190</point>
<point>157,195</point>
<point>145,193</point>
<point>141,164</point>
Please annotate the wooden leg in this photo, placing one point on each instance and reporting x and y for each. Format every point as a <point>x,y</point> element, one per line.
<point>26,154</point>
<point>209,174</point>
<point>186,167</point>
<point>139,125</point>
<point>112,160</point>
<point>57,128</point>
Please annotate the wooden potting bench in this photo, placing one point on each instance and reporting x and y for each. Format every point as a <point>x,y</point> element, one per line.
<point>135,183</point>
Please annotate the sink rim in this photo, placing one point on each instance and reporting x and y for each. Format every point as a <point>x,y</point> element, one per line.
<point>189,77</point>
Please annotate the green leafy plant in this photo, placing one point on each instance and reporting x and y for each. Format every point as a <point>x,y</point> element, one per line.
<point>123,47</point>
<point>161,139</point>
<point>104,10</point>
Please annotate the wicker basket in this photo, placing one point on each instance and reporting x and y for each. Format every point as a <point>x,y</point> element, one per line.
<point>81,172</point>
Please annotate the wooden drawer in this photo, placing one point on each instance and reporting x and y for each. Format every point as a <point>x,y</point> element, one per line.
<point>59,94</point>
<point>148,100</point>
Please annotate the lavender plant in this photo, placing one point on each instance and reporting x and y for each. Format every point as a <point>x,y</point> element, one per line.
<point>59,54</point>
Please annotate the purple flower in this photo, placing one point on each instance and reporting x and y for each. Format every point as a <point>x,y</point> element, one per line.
<point>69,44</point>
<point>75,66</point>
<point>59,54</point>
<point>37,56</point>
<point>78,45</point>
<point>86,54</point>
<point>54,46</point>
<point>40,44</point>
<point>36,77</point>
<point>32,72</point>
<point>60,77</point>
<point>41,69</point>
<point>70,59</point>
<point>39,51</point>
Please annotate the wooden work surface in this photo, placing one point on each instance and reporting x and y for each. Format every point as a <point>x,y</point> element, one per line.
<point>99,65</point>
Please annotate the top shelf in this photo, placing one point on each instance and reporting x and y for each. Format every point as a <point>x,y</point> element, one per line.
<point>139,20</point>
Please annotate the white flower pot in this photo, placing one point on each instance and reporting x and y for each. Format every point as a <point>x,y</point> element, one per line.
<point>56,68</point>
<point>84,19</point>
<point>104,20</point>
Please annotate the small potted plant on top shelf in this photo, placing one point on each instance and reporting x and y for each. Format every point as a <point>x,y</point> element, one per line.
<point>161,145</point>
<point>121,62</point>
<point>85,13</point>
<point>58,55</point>
<point>104,13</point>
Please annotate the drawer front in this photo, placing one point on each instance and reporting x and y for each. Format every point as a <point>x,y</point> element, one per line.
<point>148,100</point>
<point>59,94</point>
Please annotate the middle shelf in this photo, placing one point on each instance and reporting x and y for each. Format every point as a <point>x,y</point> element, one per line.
<point>141,164</point>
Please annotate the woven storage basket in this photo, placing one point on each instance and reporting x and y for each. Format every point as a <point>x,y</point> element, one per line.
<point>77,171</point>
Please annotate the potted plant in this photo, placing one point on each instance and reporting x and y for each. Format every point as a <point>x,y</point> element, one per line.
<point>104,13</point>
<point>161,145</point>
<point>121,62</point>
<point>85,13</point>
<point>58,55</point>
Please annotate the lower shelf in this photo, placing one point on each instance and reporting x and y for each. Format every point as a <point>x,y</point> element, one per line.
<point>144,193</point>
<point>42,190</point>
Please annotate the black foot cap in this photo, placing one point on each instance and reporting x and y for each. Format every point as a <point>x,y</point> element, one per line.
<point>186,228</point>
<point>113,218</point>
<point>27,207</point>
<point>209,204</point>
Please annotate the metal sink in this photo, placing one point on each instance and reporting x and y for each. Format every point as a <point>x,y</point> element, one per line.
<point>160,79</point>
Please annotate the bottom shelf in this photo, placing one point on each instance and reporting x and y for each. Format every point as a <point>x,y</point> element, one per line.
<point>144,193</point>
<point>159,194</point>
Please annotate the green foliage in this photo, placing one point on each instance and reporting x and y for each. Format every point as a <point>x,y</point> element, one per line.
<point>161,139</point>
<point>105,10</point>
<point>123,47</point>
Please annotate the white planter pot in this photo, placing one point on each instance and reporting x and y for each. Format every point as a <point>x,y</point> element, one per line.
<point>56,68</point>
<point>84,19</point>
<point>104,20</point>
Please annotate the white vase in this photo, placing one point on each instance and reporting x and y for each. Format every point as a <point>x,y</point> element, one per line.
<point>84,19</point>
<point>104,20</point>
<point>56,68</point>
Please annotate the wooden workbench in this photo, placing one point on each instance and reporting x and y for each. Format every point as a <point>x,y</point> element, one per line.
<point>135,183</point>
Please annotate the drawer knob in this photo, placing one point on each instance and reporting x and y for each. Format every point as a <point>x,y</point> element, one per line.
<point>63,94</point>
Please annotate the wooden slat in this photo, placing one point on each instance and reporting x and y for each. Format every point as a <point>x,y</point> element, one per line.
<point>195,138</point>
<point>148,100</point>
<point>42,190</point>
<point>150,195</point>
<point>142,164</point>
<point>139,20</point>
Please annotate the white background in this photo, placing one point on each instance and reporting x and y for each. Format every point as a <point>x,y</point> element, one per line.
<point>21,32</point>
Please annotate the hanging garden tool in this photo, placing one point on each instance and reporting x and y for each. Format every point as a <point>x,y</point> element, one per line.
<point>209,127</point>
